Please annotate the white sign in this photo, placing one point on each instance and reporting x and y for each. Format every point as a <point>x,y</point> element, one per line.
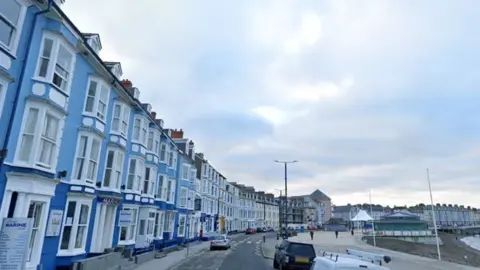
<point>125,218</point>
<point>54,223</point>
<point>14,239</point>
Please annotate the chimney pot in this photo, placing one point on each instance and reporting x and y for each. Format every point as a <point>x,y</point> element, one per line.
<point>153,115</point>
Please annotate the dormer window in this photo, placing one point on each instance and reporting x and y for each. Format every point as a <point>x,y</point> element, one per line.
<point>93,40</point>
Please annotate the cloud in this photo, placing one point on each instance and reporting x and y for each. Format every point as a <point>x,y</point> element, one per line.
<point>365,94</point>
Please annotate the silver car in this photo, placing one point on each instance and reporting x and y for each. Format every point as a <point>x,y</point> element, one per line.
<point>220,242</point>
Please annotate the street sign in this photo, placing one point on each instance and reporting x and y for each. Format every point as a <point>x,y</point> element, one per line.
<point>14,240</point>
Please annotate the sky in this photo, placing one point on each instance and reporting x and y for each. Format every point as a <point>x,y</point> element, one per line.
<point>365,94</point>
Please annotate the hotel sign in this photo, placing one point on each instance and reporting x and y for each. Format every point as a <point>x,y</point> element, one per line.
<point>14,240</point>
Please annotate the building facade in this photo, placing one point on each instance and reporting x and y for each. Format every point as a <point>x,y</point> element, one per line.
<point>305,210</point>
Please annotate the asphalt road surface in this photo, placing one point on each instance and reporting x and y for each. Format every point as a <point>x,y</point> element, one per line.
<point>244,254</point>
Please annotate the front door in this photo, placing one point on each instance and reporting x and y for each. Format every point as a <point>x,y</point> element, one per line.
<point>104,225</point>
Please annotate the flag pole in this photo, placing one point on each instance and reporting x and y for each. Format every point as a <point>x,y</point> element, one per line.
<point>433,217</point>
<point>373,223</point>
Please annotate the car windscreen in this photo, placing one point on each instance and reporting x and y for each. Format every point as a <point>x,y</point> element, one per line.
<point>219,238</point>
<point>301,250</point>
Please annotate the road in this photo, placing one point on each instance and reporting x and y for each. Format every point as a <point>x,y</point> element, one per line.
<point>244,254</point>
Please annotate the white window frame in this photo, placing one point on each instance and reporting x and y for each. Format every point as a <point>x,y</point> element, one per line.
<point>151,181</point>
<point>161,191</point>
<point>193,175</point>
<point>159,224</point>
<point>100,99</point>
<point>72,251</point>
<point>52,61</point>
<point>3,92</point>
<point>185,172</point>
<point>87,159</point>
<point>163,158</point>
<point>138,175</point>
<point>115,169</point>
<point>142,131</point>
<point>181,233</point>
<point>170,197</point>
<point>131,229</point>
<point>192,200</point>
<point>123,119</point>
<point>150,139</point>
<point>183,201</point>
<point>43,110</point>
<point>170,159</point>
<point>17,29</point>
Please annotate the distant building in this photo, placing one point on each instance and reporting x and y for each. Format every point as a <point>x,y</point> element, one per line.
<point>336,224</point>
<point>312,209</point>
<point>401,221</point>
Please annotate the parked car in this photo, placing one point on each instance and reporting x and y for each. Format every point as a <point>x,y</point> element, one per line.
<point>220,242</point>
<point>354,259</point>
<point>293,255</point>
<point>250,231</point>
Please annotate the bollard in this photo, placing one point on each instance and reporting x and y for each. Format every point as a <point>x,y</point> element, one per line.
<point>264,238</point>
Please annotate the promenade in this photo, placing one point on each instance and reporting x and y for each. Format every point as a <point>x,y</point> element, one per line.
<point>326,241</point>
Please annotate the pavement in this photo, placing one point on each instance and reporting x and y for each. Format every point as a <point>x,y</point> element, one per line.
<point>326,241</point>
<point>243,254</point>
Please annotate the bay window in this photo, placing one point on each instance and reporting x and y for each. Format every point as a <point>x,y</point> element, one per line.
<point>140,128</point>
<point>183,197</point>
<point>156,143</point>
<point>181,225</point>
<point>75,226</point>
<point>12,14</point>
<point>135,175</point>
<point>96,101</point>
<point>56,62</point>
<point>185,172</point>
<point>128,233</point>
<point>120,119</point>
<point>163,153</point>
<point>86,158</point>
<point>112,177</point>
<point>3,92</point>
<point>150,141</point>
<point>39,137</point>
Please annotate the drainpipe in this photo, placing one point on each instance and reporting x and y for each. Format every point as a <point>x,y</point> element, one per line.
<point>20,80</point>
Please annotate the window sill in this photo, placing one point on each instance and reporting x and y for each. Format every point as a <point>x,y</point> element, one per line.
<point>8,50</point>
<point>81,183</point>
<point>109,189</point>
<point>31,166</point>
<point>114,132</point>
<point>70,253</point>
<point>93,115</point>
<point>131,191</point>
<point>126,243</point>
<point>43,80</point>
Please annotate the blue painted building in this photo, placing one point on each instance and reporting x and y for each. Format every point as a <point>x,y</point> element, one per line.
<point>78,147</point>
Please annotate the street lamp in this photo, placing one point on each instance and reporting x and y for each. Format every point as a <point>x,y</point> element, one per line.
<point>285,163</point>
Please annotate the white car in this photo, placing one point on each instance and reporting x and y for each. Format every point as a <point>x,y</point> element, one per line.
<point>220,242</point>
<point>353,260</point>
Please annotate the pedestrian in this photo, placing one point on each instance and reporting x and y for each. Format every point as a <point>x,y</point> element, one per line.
<point>352,232</point>
<point>336,234</point>
<point>311,235</point>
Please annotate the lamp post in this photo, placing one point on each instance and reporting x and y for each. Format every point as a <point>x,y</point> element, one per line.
<point>280,209</point>
<point>433,217</point>
<point>285,163</point>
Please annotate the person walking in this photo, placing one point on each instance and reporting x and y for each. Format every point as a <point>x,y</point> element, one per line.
<point>352,232</point>
<point>311,235</point>
<point>336,234</point>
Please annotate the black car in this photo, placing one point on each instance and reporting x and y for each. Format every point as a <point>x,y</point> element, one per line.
<point>293,255</point>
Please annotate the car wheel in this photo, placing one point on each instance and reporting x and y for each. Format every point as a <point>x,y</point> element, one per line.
<point>275,264</point>
<point>211,248</point>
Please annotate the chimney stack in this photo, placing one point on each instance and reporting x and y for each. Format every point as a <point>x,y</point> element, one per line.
<point>153,115</point>
<point>177,134</point>
<point>126,83</point>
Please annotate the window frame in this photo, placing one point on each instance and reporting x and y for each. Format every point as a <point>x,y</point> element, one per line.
<point>71,250</point>
<point>171,191</point>
<point>117,168</point>
<point>138,175</point>
<point>43,110</point>
<point>97,99</point>
<point>4,83</point>
<point>87,159</point>
<point>185,172</point>
<point>180,216</point>
<point>142,131</point>
<point>159,224</point>
<point>162,188</point>
<point>150,181</point>
<point>52,61</point>
<point>123,120</point>
<point>183,200</point>
<point>17,29</point>
<point>163,155</point>
<point>132,227</point>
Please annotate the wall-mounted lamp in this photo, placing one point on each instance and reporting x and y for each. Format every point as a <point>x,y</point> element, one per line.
<point>62,174</point>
